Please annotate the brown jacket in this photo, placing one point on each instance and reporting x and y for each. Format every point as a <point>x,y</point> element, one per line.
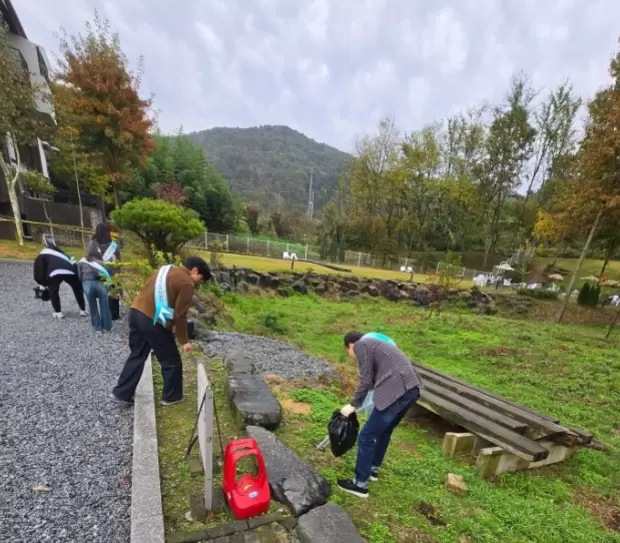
<point>180,289</point>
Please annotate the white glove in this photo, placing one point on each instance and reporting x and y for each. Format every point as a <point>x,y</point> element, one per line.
<point>347,410</point>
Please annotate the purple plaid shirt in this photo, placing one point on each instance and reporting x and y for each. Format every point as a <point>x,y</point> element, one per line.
<point>384,368</point>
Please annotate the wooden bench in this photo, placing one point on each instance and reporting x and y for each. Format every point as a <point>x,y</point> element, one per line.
<point>506,436</point>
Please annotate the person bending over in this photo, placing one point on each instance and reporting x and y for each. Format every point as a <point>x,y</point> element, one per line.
<point>395,383</point>
<point>158,309</point>
<point>53,266</point>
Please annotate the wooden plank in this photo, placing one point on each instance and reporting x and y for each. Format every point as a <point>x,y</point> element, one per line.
<point>490,414</point>
<point>504,438</point>
<point>537,427</point>
<point>422,367</point>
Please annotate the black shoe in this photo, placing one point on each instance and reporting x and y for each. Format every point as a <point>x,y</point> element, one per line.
<point>349,486</point>
<point>173,402</point>
<point>119,400</point>
<point>374,476</point>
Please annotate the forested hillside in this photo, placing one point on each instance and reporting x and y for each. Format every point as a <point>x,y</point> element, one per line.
<point>271,165</point>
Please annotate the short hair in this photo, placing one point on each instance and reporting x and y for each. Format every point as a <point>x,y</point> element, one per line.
<point>352,338</point>
<point>192,262</point>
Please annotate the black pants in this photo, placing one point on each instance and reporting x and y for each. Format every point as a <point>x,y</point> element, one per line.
<point>144,337</point>
<point>74,282</point>
<point>115,307</point>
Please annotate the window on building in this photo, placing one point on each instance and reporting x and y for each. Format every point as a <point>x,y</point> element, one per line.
<point>42,66</point>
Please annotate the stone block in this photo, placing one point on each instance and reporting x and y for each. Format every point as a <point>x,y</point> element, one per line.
<point>327,524</point>
<point>197,506</point>
<point>292,481</point>
<point>236,362</point>
<point>253,400</point>
<point>455,484</point>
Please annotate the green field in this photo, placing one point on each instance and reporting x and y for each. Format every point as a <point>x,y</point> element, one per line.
<point>568,371</point>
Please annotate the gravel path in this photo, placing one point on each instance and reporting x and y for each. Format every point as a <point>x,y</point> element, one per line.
<point>269,355</point>
<point>58,430</point>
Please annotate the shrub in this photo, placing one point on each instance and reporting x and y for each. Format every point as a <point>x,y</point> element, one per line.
<point>160,225</point>
<point>589,295</point>
<point>538,294</point>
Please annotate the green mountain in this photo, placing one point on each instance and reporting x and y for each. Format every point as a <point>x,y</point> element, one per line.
<point>271,165</point>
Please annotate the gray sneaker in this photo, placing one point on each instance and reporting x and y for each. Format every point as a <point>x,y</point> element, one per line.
<point>115,398</point>
<point>167,403</point>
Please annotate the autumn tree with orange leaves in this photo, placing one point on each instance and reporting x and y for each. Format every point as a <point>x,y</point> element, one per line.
<point>110,120</point>
<point>595,194</point>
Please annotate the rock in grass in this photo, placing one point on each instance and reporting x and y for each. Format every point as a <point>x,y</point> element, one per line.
<point>328,523</point>
<point>455,484</point>
<point>292,481</point>
<point>253,400</point>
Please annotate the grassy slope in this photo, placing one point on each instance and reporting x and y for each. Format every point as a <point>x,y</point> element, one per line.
<point>568,371</point>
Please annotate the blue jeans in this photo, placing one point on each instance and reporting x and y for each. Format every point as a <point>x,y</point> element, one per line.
<point>375,436</point>
<point>100,316</point>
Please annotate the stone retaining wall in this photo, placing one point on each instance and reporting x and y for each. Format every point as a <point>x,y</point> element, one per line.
<point>417,294</point>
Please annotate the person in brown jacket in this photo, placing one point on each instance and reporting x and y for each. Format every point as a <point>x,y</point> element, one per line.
<point>157,310</point>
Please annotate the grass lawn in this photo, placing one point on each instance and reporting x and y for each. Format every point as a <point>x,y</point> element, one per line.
<point>174,427</point>
<point>567,371</point>
<point>589,267</point>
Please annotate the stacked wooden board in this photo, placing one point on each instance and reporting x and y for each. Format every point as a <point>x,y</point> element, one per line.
<point>516,429</point>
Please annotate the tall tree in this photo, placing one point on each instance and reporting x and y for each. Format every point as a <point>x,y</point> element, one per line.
<point>176,160</point>
<point>74,167</point>
<point>596,192</point>
<point>114,122</point>
<point>554,122</point>
<point>509,146</point>
<point>20,123</point>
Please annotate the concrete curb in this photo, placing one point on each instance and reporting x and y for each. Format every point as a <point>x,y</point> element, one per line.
<point>147,520</point>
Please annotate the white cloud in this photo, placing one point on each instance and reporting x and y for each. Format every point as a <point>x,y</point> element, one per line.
<point>332,69</point>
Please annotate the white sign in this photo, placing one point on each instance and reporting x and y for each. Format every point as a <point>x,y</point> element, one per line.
<point>205,431</point>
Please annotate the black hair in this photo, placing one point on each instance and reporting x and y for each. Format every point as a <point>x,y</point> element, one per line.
<point>352,337</point>
<point>192,262</point>
<point>102,234</point>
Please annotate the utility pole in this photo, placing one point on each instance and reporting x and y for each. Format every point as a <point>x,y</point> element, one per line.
<point>311,196</point>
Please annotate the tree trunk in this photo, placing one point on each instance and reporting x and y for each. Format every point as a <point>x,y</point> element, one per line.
<point>10,185</point>
<point>582,257</point>
<point>613,324</point>
<point>609,251</point>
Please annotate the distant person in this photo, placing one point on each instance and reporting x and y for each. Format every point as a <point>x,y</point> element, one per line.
<point>388,372</point>
<point>158,309</point>
<point>94,275</point>
<point>102,244</point>
<point>53,267</point>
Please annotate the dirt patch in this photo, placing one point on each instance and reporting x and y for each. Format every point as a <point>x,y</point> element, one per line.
<point>297,408</point>
<point>502,350</point>
<point>430,513</point>
<point>602,508</point>
<point>407,534</point>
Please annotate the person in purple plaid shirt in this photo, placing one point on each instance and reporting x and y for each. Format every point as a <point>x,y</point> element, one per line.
<point>387,371</point>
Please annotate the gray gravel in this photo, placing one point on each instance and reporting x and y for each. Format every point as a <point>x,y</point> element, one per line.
<point>269,355</point>
<point>58,430</point>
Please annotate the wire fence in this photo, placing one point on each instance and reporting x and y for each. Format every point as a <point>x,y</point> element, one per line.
<point>73,236</point>
<point>230,243</point>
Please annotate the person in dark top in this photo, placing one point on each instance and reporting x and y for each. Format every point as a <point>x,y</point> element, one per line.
<point>388,373</point>
<point>157,315</point>
<point>103,248</point>
<point>53,267</point>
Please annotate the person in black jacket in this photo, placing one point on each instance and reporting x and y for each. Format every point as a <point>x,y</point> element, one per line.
<point>53,266</point>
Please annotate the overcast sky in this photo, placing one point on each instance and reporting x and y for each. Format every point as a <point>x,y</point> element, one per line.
<point>333,68</point>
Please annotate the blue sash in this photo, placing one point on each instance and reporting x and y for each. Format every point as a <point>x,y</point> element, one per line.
<point>57,254</point>
<point>109,252</point>
<point>102,271</point>
<point>369,403</point>
<point>162,311</point>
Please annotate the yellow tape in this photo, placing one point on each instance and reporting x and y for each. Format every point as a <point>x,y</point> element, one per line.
<point>50,225</point>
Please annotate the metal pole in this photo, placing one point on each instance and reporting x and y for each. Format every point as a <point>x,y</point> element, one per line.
<point>77,186</point>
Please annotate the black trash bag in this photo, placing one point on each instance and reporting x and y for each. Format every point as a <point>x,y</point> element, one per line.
<point>42,293</point>
<point>343,432</point>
